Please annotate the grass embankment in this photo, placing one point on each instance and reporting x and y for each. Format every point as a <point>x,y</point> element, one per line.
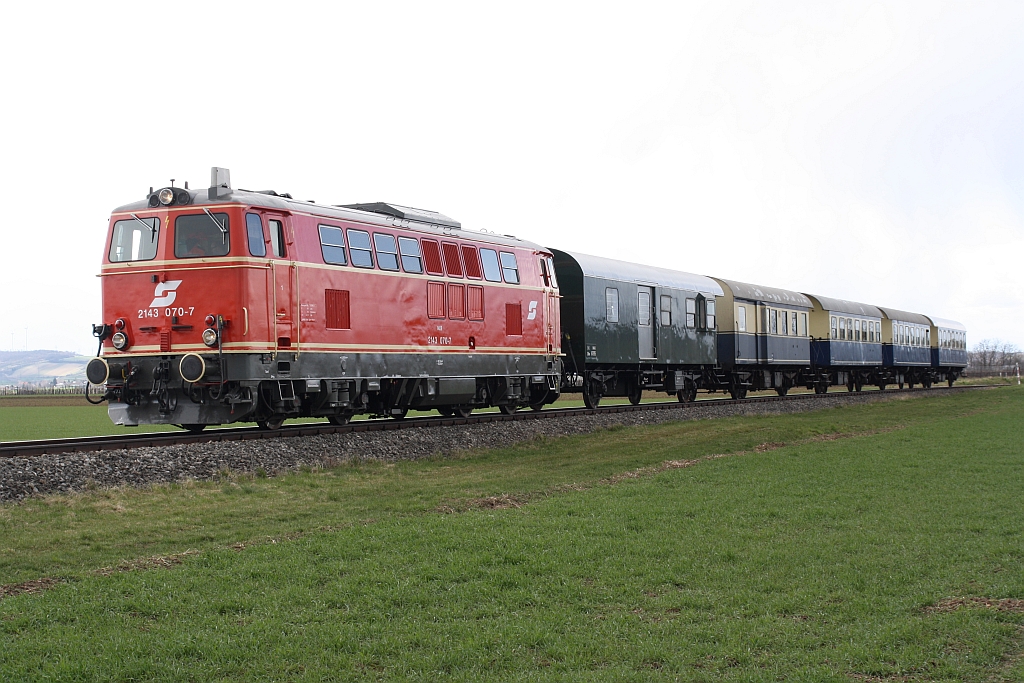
<point>580,558</point>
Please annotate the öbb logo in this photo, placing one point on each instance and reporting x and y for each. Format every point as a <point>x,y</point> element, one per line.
<point>165,293</point>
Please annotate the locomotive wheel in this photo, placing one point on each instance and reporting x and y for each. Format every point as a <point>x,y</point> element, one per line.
<point>270,423</point>
<point>463,411</point>
<point>538,399</point>
<point>536,406</point>
<point>342,419</point>
<point>399,413</point>
<point>636,392</point>
<point>591,395</point>
<point>194,429</point>
<point>446,411</point>
<point>508,409</point>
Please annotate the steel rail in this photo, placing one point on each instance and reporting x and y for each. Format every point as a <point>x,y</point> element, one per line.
<point>11,449</point>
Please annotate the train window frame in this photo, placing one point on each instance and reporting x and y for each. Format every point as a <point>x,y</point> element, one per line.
<point>276,228</point>
<point>208,223</point>
<point>691,312</point>
<point>802,330</point>
<point>794,328</point>
<point>491,265</point>
<point>471,262</point>
<point>665,310</point>
<point>551,272</point>
<point>133,228</point>
<point>452,256</point>
<point>363,252</point>
<point>432,253</point>
<point>710,317</point>
<point>611,304</point>
<point>509,273</point>
<point>773,321</point>
<point>331,250</point>
<point>741,318</point>
<point>842,329</point>
<point>412,262</point>
<point>390,260</point>
<point>856,330</point>
<point>254,235</point>
<point>835,327</point>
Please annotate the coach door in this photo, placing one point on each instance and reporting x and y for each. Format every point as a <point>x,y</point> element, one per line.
<point>285,276</point>
<point>645,325</point>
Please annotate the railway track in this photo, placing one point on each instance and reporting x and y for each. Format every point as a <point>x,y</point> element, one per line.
<point>10,449</point>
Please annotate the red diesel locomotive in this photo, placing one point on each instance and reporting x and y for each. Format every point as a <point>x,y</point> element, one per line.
<point>230,305</point>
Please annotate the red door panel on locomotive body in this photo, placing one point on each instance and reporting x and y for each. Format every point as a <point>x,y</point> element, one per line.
<point>283,274</point>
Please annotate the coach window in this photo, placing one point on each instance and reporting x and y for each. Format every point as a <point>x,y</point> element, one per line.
<point>492,271</point>
<point>691,313</point>
<point>409,248</point>
<point>332,245</point>
<point>611,304</point>
<point>773,321</point>
<point>202,234</point>
<point>509,268</point>
<point>387,251</point>
<point>741,318</point>
<point>802,331</point>
<point>666,310</point>
<point>835,327</point>
<point>856,331</point>
<point>709,306</point>
<point>842,329</point>
<point>254,233</point>
<point>359,248</point>
<point>276,238</point>
<point>134,240</point>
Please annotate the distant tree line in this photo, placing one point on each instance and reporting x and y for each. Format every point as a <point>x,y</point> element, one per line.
<point>993,357</point>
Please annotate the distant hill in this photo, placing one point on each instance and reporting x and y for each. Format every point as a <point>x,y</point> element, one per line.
<point>33,367</point>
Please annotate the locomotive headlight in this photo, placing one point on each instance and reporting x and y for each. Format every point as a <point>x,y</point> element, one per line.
<point>120,341</point>
<point>119,324</point>
<point>210,337</point>
<point>166,196</point>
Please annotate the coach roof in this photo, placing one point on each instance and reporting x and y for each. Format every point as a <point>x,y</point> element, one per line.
<point>783,297</point>
<point>947,324</point>
<point>612,269</point>
<point>905,316</point>
<point>844,306</point>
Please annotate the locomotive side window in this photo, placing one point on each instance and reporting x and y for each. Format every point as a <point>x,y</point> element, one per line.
<point>509,268</point>
<point>134,240</point>
<point>666,310</point>
<point>277,238</point>
<point>611,304</point>
<point>200,234</point>
<point>472,262</point>
<point>691,312</point>
<point>387,251</point>
<point>359,248</point>
<point>492,272</point>
<point>332,244</point>
<point>452,262</point>
<point>254,235</point>
<point>432,256</point>
<point>410,250</point>
<point>551,272</point>
<point>435,300</point>
<point>336,305</point>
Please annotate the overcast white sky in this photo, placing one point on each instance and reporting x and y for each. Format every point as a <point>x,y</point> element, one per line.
<point>867,151</point>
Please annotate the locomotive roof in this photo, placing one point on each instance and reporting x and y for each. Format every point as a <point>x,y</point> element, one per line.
<point>844,306</point>
<point>612,269</point>
<point>947,324</point>
<point>905,316</point>
<point>742,290</point>
<point>377,213</point>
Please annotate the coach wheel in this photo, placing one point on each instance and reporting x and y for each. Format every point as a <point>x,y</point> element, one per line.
<point>910,385</point>
<point>194,429</point>
<point>900,385</point>
<point>881,386</point>
<point>591,394</point>
<point>463,411</point>
<point>858,385</point>
<point>950,381</point>
<point>508,409</point>
<point>636,392</point>
<point>339,420</point>
<point>688,393</point>
<point>821,388</point>
<point>782,391</point>
<point>849,384</point>
<point>270,423</point>
<point>926,383</point>
<point>738,392</point>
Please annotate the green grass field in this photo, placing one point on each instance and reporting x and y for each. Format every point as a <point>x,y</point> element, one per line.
<point>816,550</point>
